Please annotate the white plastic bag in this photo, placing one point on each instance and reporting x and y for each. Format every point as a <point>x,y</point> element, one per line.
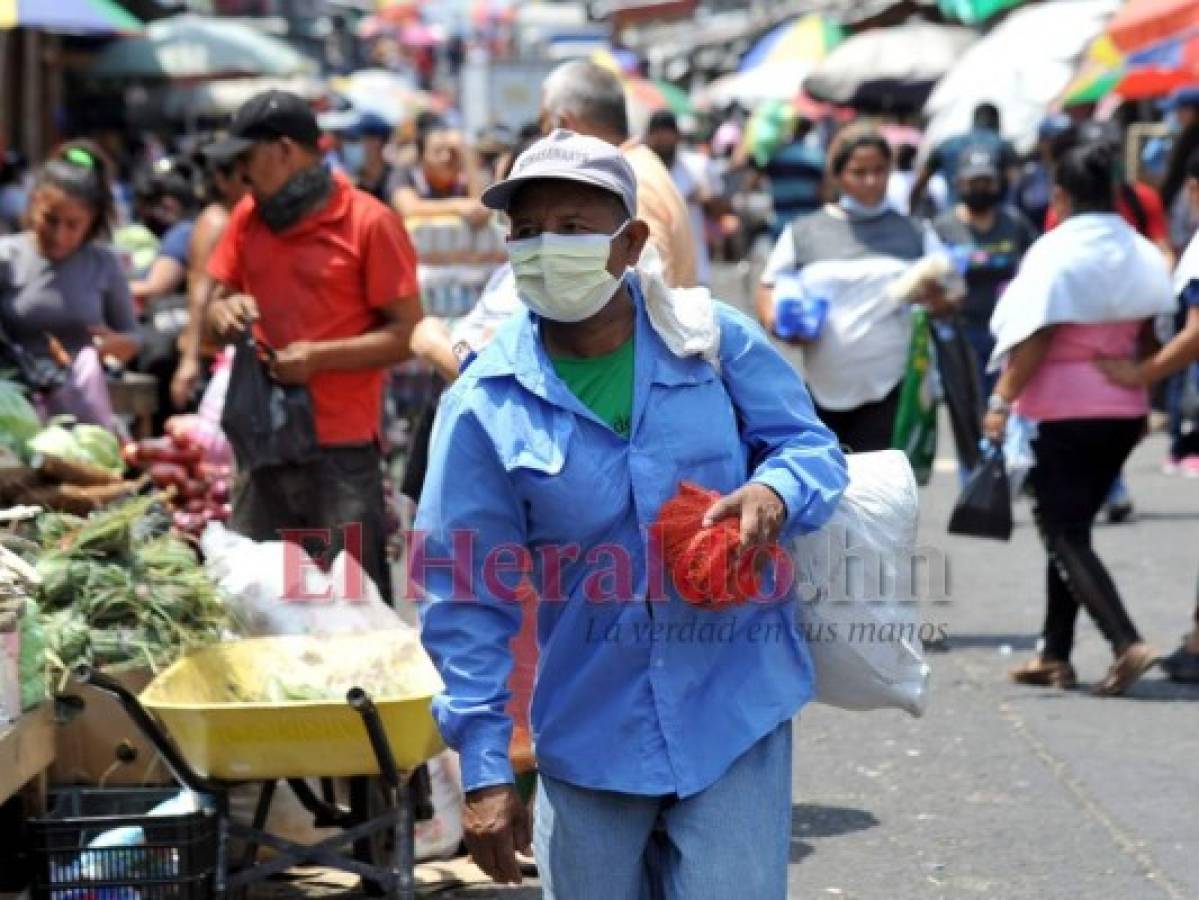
<point>439,837</point>
<point>276,588</point>
<point>289,819</point>
<point>857,605</point>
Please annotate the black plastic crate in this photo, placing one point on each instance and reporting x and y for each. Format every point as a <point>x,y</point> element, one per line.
<point>176,860</point>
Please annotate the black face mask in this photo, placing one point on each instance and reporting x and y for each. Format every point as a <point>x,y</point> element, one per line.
<point>980,201</point>
<point>667,155</point>
<point>301,194</point>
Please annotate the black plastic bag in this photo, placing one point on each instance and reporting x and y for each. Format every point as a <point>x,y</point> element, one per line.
<point>268,423</point>
<point>984,508</point>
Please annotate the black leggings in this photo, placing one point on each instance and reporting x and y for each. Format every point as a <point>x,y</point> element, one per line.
<point>1077,461</point>
<point>864,428</point>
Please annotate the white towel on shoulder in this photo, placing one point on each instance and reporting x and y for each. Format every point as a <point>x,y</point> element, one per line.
<point>1093,268</point>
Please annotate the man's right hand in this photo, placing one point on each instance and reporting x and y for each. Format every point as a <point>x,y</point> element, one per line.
<point>232,315</point>
<point>496,826</point>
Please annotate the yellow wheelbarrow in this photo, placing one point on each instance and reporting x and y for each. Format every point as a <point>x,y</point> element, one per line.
<point>253,711</point>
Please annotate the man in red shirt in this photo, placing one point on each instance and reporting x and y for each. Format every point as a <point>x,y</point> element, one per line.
<point>326,276</point>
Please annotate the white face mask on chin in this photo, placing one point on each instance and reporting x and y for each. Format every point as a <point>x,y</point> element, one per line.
<point>564,277</point>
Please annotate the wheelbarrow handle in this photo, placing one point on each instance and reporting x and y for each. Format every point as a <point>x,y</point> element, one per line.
<point>147,724</point>
<point>360,701</point>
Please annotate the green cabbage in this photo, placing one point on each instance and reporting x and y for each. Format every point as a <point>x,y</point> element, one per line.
<point>18,418</point>
<point>55,440</point>
<point>79,443</point>
<point>100,445</point>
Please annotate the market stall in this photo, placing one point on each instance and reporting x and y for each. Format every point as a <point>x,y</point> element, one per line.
<point>147,676</point>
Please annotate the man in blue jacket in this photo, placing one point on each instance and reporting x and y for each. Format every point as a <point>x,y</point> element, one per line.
<point>662,728</point>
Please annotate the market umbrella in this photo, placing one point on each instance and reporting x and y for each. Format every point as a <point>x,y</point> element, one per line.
<point>71,16</point>
<point>972,12</point>
<point>1161,68</point>
<point>770,81</point>
<point>775,67</point>
<point>223,96</point>
<point>1100,71</point>
<point>645,97</point>
<point>1022,66</point>
<point>1144,22</point>
<point>809,37</point>
<point>189,46</point>
<point>620,61</point>
<point>889,68</point>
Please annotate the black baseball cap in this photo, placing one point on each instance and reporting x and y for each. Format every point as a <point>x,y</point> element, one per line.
<point>271,114</point>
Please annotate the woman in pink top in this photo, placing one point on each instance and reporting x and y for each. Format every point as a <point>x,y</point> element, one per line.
<point>1088,427</point>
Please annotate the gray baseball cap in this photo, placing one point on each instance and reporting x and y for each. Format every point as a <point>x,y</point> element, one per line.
<point>977,162</point>
<point>565,156</point>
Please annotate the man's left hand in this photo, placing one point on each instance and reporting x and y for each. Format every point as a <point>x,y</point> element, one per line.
<point>295,363</point>
<point>761,510</point>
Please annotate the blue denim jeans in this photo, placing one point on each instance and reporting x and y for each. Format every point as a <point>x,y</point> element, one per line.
<point>730,840</point>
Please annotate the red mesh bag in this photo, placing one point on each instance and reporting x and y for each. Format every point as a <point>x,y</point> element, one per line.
<point>705,564</point>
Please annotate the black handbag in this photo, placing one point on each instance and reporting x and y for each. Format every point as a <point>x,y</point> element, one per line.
<point>984,508</point>
<point>268,423</point>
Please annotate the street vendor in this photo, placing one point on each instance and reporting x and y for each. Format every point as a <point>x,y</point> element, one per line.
<point>327,276</point>
<point>660,755</point>
<point>63,296</point>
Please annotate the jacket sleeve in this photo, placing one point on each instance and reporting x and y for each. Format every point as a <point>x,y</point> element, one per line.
<point>468,509</point>
<point>791,450</point>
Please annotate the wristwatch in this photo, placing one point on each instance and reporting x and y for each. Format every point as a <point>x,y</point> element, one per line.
<point>997,404</point>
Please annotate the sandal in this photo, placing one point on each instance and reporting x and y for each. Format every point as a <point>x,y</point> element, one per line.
<point>1130,665</point>
<point>1182,665</point>
<point>1041,672</point>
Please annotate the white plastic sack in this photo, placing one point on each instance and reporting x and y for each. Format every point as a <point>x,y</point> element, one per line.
<point>276,588</point>
<point>857,605</point>
<point>436,838</point>
<point>439,837</point>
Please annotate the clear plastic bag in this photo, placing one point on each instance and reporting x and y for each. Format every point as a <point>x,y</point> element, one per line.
<point>276,588</point>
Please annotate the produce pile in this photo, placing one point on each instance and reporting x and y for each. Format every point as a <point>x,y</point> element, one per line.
<point>389,664</point>
<point>22,679</point>
<point>65,466</point>
<point>117,588</point>
<point>198,490</point>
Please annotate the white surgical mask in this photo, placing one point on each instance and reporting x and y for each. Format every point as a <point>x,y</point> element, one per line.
<point>564,277</point>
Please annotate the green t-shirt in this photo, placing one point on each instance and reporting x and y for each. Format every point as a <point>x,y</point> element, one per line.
<point>604,384</point>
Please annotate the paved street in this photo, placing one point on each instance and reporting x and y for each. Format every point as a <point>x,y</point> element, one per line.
<point>1001,791</point>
